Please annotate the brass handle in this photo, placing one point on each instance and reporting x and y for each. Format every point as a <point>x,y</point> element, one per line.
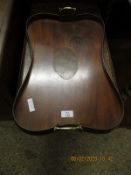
<point>68,128</point>
<point>67,11</point>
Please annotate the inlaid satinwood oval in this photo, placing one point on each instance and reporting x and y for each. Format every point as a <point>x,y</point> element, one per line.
<point>65,63</point>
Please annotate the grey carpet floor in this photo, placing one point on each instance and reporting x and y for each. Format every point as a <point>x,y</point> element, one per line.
<point>64,152</point>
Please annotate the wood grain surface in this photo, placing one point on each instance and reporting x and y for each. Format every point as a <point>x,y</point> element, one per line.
<point>87,91</point>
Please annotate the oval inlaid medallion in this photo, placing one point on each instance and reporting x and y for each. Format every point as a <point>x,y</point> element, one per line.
<point>65,63</point>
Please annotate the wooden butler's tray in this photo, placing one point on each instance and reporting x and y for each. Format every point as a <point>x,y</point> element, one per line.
<point>70,80</point>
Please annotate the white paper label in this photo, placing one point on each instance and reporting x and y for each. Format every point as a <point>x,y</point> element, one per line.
<point>67,114</point>
<point>31,104</point>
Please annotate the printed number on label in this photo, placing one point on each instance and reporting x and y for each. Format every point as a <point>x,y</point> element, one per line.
<point>66,114</point>
<point>31,105</point>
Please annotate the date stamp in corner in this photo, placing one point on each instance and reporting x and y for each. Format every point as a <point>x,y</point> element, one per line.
<point>84,158</point>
